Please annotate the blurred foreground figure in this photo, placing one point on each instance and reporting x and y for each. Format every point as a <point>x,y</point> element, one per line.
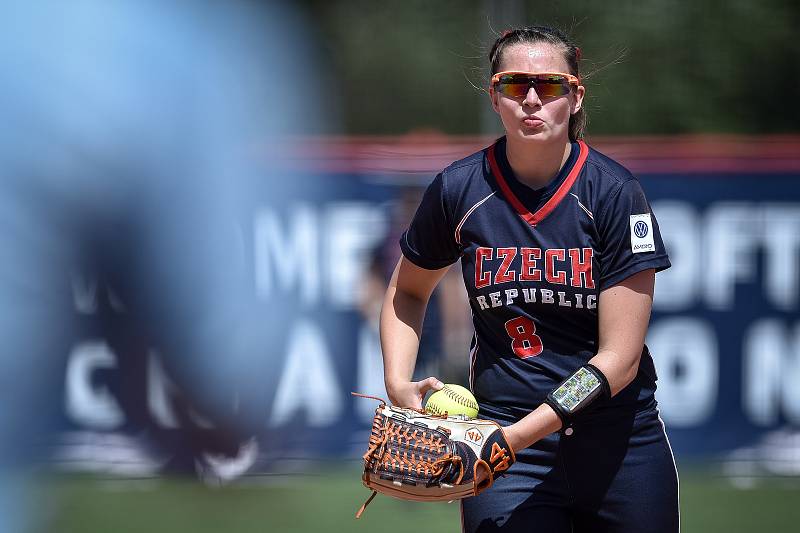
<point>125,125</point>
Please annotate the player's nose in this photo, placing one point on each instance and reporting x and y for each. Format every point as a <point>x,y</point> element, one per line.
<point>532,98</point>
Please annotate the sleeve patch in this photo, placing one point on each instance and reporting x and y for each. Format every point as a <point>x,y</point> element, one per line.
<point>642,234</point>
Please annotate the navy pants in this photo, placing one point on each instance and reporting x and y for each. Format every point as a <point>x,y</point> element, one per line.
<point>613,473</point>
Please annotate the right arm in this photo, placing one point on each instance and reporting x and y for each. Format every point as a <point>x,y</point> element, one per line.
<point>401,325</point>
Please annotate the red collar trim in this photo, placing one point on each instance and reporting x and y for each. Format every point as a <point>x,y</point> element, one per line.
<point>547,208</point>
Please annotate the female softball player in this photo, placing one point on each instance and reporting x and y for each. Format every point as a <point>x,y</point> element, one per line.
<point>559,251</point>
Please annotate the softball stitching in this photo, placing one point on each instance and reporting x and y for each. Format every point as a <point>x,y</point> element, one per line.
<point>456,397</point>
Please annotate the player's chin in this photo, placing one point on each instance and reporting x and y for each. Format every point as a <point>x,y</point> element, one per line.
<point>533,134</point>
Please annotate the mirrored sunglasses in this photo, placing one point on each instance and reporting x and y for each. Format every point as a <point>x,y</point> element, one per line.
<point>546,84</point>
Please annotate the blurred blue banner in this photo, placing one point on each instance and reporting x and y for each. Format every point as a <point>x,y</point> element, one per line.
<point>725,332</point>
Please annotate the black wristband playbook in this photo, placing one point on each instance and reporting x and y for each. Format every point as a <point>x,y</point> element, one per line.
<point>577,392</point>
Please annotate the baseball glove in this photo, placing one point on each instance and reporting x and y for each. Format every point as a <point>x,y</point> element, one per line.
<point>413,455</point>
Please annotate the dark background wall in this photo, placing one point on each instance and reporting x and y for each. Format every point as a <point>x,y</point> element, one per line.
<point>650,67</point>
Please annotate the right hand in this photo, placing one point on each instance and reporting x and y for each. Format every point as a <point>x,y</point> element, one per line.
<point>411,393</point>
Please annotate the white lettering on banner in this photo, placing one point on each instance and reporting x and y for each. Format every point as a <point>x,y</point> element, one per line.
<point>771,372</point>
<point>733,237</point>
<point>299,251</point>
<point>85,291</point>
<point>782,243</point>
<point>714,255</point>
<point>686,356</point>
<point>93,406</point>
<point>352,230</point>
<point>308,382</point>
<point>84,294</point>
<point>86,404</point>
<point>286,255</point>
<point>677,286</point>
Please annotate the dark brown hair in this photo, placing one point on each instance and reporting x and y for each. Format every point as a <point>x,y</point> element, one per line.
<point>544,34</point>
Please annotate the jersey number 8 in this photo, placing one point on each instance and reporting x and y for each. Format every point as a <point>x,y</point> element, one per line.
<point>524,340</point>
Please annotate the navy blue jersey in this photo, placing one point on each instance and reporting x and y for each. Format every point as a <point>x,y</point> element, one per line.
<point>534,263</point>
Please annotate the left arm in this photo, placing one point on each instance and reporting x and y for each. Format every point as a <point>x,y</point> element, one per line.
<point>623,314</point>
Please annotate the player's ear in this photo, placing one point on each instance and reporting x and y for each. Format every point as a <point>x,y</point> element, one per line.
<point>577,100</point>
<point>493,96</point>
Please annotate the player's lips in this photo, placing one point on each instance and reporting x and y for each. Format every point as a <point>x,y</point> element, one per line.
<point>532,121</point>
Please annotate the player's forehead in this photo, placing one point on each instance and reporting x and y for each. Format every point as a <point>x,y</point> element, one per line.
<point>534,57</point>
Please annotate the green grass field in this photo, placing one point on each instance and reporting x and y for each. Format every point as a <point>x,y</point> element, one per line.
<point>327,502</point>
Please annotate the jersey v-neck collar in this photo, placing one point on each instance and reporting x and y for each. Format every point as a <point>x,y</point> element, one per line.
<point>561,189</point>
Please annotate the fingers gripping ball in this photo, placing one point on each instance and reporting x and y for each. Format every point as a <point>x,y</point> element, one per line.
<point>452,400</point>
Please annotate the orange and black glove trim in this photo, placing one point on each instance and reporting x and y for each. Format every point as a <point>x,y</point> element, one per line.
<point>497,455</point>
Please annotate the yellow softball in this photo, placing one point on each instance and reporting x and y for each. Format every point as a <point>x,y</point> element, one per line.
<point>453,400</point>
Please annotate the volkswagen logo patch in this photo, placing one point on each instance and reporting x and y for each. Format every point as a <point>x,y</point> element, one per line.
<point>640,229</point>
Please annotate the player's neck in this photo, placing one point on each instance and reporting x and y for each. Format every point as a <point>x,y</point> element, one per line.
<point>536,164</point>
